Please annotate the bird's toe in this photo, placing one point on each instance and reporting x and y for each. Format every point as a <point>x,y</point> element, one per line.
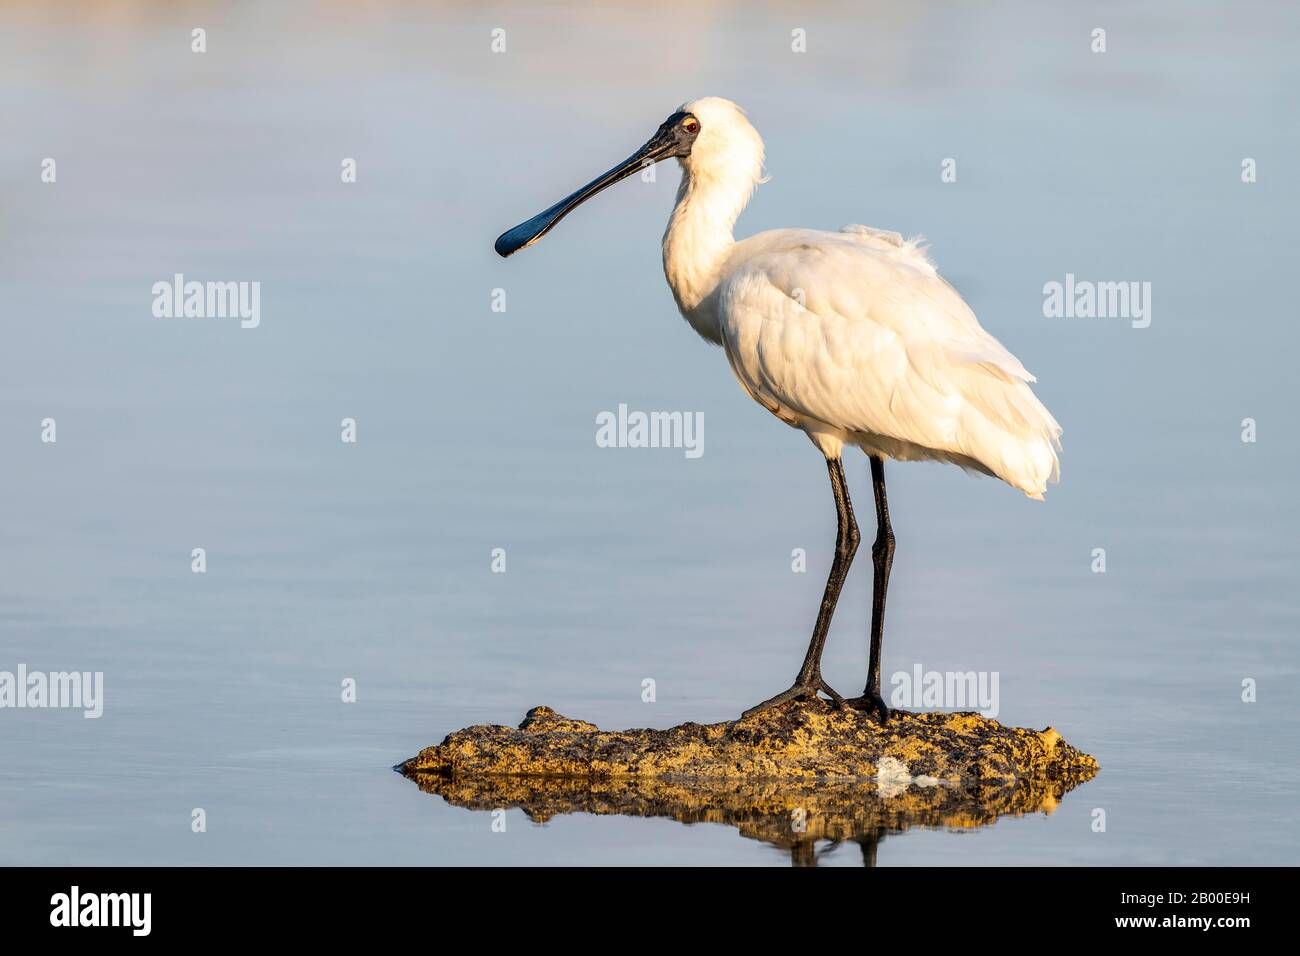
<point>830,692</point>
<point>871,704</point>
<point>800,691</point>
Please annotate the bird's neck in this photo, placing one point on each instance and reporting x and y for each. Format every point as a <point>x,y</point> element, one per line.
<point>697,242</point>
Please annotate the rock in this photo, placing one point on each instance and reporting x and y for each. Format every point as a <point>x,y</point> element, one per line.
<point>809,740</point>
<point>791,777</point>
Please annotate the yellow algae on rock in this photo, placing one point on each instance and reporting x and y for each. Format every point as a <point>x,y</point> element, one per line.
<point>805,812</point>
<point>808,740</point>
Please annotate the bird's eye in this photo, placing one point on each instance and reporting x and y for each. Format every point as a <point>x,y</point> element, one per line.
<point>691,126</point>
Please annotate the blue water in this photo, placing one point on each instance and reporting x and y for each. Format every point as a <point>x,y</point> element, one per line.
<point>372,561</point>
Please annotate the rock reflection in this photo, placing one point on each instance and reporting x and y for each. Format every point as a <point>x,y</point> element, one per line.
<point>808,819</point>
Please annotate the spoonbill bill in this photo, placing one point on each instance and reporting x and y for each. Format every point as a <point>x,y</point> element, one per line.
<point>851,336</point>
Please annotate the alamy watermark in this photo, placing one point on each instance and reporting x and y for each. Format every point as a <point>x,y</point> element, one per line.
<point>954,690</point>
<point>81,690</point>
<point>127,910</point>
<point>625,429</point>
<point>179,299</point>
<point>1085,299</point>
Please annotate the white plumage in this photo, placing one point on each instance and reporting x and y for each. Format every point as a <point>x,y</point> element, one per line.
<point>851,336</point>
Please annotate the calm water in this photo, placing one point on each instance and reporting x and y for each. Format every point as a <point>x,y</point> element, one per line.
<point>371,561</point>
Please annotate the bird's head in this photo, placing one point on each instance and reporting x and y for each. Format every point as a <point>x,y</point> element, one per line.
<point>725,145</point>
<point>707,136</point>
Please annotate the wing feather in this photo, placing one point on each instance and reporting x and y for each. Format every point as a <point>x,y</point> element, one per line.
<point>857,330</point>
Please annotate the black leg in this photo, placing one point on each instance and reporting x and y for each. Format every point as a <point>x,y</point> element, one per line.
<point>882,557</point>
<point>869,842</point>
<point>847,536</point>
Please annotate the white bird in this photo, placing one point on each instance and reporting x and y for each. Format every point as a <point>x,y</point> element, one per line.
<point>851,336</point>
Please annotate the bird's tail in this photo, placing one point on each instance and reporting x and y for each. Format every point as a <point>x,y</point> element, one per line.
<point>1034,463</point>
<point>1012,433</point>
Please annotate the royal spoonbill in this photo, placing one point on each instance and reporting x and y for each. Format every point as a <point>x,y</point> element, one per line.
<point>851,336</point>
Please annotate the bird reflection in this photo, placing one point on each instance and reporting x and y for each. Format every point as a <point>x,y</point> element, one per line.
<point>809,820</point>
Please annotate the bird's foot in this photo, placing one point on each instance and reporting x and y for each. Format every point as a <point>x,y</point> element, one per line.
<point>802,688</point>
<point>871,703</point>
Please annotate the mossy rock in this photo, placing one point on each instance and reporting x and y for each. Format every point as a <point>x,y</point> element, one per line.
<point>807,740</point>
